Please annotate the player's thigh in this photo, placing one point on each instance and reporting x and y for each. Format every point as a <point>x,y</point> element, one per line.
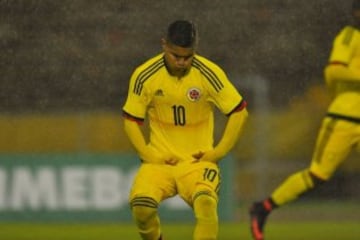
<point>154,181</point>
<point>199,178</point>
<point>334,143</point>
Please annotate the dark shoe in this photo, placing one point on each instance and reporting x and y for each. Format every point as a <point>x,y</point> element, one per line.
<point>258,215</point>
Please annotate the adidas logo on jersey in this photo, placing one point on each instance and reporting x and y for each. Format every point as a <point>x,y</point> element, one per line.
<point>159,92</point>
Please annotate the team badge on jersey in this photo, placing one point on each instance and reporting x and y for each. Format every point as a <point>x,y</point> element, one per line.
<point>193,94</point>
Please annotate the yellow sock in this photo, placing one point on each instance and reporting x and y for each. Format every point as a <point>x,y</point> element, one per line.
<point>147,221</point>
<point>205,209</point>
<point>292,187</point>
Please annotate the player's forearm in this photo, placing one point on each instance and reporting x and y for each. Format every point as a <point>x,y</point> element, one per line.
<point>231,133</point>
<point>136,137</point>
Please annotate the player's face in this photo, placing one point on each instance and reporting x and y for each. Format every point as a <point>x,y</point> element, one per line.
<point>178,59</point>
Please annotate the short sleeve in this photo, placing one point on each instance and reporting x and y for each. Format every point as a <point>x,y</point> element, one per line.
<point>137,101</point>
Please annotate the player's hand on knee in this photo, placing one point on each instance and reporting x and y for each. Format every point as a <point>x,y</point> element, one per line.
<point>171,161</point>
<point>197,156</point>
<point>208,156</point>
<point>149,155</point>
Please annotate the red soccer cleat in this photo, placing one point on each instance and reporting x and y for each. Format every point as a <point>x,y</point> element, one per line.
<point>258,214</point>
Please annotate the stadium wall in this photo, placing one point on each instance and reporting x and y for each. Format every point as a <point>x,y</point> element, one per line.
<point>84,187</point>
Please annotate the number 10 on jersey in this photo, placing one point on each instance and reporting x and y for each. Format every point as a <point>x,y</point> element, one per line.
<point>179,115</point>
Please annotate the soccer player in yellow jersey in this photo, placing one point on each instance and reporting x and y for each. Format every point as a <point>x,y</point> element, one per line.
<point>177,91</point>
<point>340,130</point>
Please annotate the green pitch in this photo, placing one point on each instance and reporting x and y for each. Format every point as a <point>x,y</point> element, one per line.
<point>228,231</point>
<point>329,220</point>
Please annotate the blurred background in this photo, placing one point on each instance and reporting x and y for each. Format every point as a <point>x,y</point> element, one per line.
<point>64,72</point>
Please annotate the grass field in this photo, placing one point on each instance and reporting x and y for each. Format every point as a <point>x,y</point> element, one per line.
<point>325,221</point>
<point>228,231</point>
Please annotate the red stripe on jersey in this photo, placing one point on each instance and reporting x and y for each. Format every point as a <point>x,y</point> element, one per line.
<point>338,63</point>
<point>239,107</point>
<point>132,118</point>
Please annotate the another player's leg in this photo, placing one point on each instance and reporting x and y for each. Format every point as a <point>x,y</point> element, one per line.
<point>331,149</point>
<point>145,214</point>
<point>294,186</point>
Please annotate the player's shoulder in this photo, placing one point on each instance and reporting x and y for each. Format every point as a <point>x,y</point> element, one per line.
<point>347,35</point>
<point>212,74</point>
<point>202,62</point>
<point>152,64</point>
<point>348,31</point>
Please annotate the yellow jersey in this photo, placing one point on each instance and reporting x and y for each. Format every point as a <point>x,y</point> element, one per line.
<point>180,111</point>
<point>346,51</point>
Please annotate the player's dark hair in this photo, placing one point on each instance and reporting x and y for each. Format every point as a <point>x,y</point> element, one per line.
<point>181,33</point>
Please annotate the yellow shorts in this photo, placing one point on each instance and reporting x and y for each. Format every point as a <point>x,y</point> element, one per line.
<point>335,141</point>
<point>160,181</point>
